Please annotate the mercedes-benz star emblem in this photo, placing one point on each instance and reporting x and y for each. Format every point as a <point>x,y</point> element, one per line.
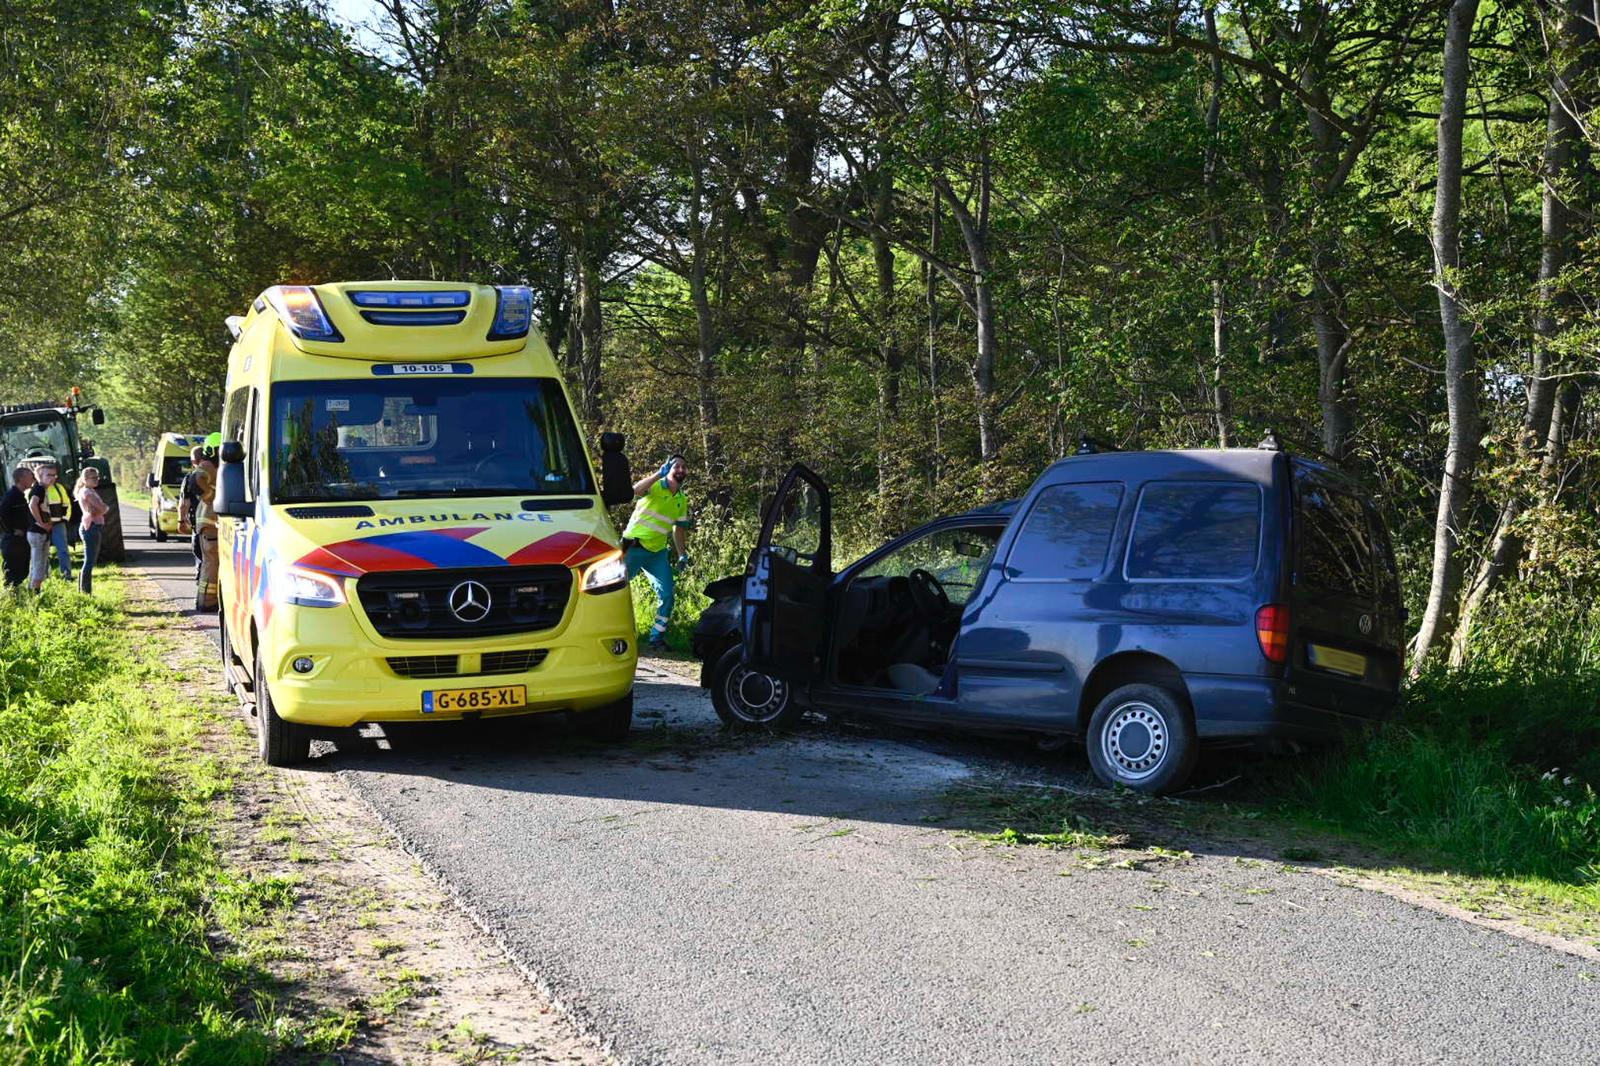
<point>469,601</point>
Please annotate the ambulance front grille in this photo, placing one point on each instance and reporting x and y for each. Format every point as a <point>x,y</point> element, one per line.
<point>512,662</point>
<point>416,603</point>
<point>420,667</point>
<point>423,666</point>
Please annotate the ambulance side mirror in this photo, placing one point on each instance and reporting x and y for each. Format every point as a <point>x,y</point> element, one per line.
<point>616,478</point>
<point>150,481</point>
<point>230,501</point>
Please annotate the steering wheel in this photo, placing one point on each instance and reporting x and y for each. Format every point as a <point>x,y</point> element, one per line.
<point>928,593</point>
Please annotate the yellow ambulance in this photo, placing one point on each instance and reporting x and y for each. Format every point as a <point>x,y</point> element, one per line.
<point>165,479</point>
<point>410,525</point>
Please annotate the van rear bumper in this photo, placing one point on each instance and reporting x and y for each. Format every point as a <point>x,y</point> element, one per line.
<point>1230,707</point>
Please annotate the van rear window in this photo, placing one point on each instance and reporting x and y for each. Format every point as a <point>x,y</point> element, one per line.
<point>1067,532</point>
<point>1188,531</point>
<point>1336,551</point>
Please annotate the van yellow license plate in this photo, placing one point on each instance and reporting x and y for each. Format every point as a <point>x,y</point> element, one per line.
<point>456,700</point>
<point>1337,660</point>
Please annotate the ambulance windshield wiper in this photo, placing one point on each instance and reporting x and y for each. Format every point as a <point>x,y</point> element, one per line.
<point>499,490</point>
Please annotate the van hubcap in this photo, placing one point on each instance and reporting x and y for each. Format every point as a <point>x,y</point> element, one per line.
<point>754,696</point>
<point>1135,740</point>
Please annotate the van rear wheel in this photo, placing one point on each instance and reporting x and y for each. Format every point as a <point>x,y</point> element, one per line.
<point>279,743</point>
<point>1142,737</point>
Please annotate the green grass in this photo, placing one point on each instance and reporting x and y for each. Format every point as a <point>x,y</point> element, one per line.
<point>1491,771</point>
<point>106,880</point>
<point>1031,817</point>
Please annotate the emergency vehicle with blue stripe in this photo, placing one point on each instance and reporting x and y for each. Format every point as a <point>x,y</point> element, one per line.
<point>410,524</point>
<point>165,481</point>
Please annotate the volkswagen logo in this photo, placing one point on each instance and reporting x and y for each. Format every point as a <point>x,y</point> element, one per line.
<point>469,601</point>
<point>1364,623</point>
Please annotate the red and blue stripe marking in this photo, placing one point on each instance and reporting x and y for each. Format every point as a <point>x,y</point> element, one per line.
<point>438,549</point>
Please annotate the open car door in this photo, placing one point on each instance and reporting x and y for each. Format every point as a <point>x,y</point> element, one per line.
<point>785,607</point>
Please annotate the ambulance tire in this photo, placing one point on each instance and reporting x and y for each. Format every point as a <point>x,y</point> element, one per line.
<point>161,536</point>
<point>226,643</point>
<point>608,724</point>
<point>279,743</point>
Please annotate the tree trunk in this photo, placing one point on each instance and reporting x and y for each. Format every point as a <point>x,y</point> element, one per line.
<point>706,337</point>
<point>589,331</point>
<point>932,296</point>
<point>1556,236</point>
<point>890,359</point>
<point>1461,382</point>
<point>974,231</point>
<point>1220,404</point>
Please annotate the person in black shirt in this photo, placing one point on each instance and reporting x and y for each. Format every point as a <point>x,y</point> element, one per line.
<point>188,500</point>
<point>15,524</point>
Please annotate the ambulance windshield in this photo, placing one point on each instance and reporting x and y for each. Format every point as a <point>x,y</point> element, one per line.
<point>420,436</point>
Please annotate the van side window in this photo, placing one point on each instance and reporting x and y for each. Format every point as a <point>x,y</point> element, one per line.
<point>1336,552</point>
<point>1067,532</point>
<point>1188,531</point>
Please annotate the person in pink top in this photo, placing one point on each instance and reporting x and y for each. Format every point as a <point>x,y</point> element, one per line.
<point>86,492</point>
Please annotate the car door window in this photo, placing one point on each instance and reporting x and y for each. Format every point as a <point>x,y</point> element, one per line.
<point>797,528</point>
<point>1067,533</point>
<point>957,557</point>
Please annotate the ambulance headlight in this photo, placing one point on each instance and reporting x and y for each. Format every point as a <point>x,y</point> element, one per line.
<point>168,503</point>
<point>606,574</point>
<point>513,312</point>
<point>302,312</point>
<point>307,588</point>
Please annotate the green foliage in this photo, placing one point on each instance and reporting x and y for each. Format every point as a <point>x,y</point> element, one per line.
<point>103,881</point>
<point>1493,767</point>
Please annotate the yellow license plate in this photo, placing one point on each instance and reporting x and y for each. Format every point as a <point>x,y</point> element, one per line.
<point>1337,660</point>
<point>456,700</point>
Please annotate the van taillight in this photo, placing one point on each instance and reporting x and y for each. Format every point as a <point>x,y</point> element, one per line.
<point>1272,630</point>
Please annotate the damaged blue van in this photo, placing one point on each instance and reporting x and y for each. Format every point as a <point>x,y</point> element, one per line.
<point>1142,603</point>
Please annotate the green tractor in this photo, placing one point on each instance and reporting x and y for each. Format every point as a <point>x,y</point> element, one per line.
<point>34,431</point>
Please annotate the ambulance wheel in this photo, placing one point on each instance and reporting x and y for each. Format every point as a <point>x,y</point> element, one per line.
<point>226,644</point>
<point>161,536</point>
<point>608,724</point>
<point>748,699</point>
<point>279,743</point>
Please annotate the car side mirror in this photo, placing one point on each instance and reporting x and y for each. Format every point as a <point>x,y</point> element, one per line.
<point>230,501</point>
<point>616,477</point>
<point>150,481</point>
<point>98,417</point>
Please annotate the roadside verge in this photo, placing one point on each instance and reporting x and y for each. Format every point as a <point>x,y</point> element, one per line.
<point>164,896</point>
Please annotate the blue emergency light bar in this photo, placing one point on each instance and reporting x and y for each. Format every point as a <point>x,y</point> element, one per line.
<point>412,300</point>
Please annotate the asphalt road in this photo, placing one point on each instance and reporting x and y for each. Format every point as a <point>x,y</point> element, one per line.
<point>809,899</point>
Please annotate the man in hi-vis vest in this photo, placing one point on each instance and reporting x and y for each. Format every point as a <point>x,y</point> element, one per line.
<point>653,541</point>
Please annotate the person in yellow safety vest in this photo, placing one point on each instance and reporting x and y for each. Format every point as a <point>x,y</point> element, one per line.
<point>205,525</point>
<point>658,519</point>
<point>51,506</point>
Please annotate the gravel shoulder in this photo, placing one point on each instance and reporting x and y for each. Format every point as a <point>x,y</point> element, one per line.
<point>370,960</point>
